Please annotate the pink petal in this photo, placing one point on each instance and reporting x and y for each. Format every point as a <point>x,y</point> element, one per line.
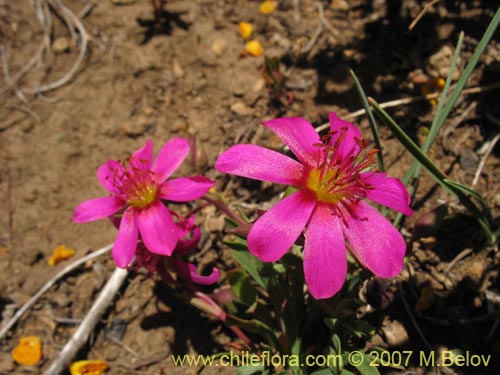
<point>109,175</point>
<point>325,261</point>
<point>126,241</point>
<point>274,233</point>
<point>170,158</point>
<point>188,272</point>
<point>387,191</point>
<point>143,157</point>
<point>261,164</point>
<point>158,230</point>
<point>185,246</point>
<point>375,242</point>
<point>97,208</point>
<point>348,145</point>
<point>185,188</point>
<point>299,135</point>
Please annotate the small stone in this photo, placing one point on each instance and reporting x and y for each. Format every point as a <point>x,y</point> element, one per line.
<point>177,69</point>
<point>259,85</point>
<point>180,125</point>
<point>497,200</point>
<point>148,111</point>
<point>341,5</point>
<point>395,333</point>
<point>469,160</point>
<point>241,109</point>
<point>138,126</point>
<point>218,47</point>
<point>61,45</point>
<point>438,65</point>
<point>216,224</point>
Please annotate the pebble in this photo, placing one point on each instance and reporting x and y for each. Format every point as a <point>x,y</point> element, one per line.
<point>438,65</point>
<point>395,333</point>
<point>177,69</point>
<point>218,47</point>
<point>241,109</point>
<point>138,126</point>
<point>61,45</point>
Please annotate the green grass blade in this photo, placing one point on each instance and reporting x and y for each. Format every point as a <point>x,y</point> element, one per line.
<point>373,123</point>
<point>470,66</point>
<point>434,170</point>
<point>408,143</point>
<point>438,120</point>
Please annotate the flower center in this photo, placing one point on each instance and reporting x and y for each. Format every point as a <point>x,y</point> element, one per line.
<point>142,196</point>
<point>336,177</point>
<point>324,184</point>
<point>137,185</point>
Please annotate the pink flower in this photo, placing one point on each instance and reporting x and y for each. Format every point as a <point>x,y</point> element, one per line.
<point>140,188</point>
<point>188,238</point>
<point>331,183</point>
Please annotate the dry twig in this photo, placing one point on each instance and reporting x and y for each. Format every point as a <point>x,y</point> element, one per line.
<point>43,14</point>
<point>10,323</point>
<point>487,153</point>
<point>82,334</point>
<point>422,13</point>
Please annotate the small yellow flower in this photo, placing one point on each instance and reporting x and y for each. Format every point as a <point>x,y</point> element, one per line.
<point>433,85</point>
<point>29,351</point>
<point>59,254</point>
<point>254,48</point>
<point>91,367</point>
<point>245,29</point>
<point>268,7</point>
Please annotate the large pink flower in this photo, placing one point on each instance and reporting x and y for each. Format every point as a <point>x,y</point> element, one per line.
<point>332,179</point>
<point>140,188</point>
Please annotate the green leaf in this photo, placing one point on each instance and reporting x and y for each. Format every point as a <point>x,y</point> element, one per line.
<point>257,327</point>
<point>249,370</point>
<point>242,286</point>
<point>468,190</point>
<point>435,172</point>
<point>250,263</point>
<point>323,371</point>
<point>373,123</point>
<point>365,369</point>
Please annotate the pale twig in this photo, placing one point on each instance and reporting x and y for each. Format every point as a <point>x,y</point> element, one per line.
<point>316,34</point>
<point>422,13</point>
<point>86,10</point>
<point>412,99</point>
<point>83,50</point>
<point>486,155</point>
<point>8,325</point>
<point>457,259</point>
<point>325,21</point>
<point>6,73</point>
<point>82,334</point>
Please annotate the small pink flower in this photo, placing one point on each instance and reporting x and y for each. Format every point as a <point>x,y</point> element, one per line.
<point>188,238</point>
<point>331,183</point>
<point>140,188</point>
